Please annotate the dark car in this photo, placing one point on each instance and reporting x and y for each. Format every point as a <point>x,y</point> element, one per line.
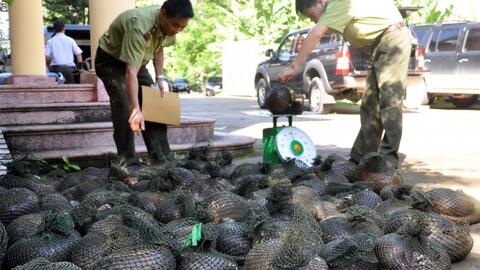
<point>181,85</point>
<point>452,53</point>
<point>80,33</point>
<point>213,85</point>
<point>332,71</point>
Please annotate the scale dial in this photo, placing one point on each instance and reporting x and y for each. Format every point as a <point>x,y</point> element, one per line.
<point>294,143</point>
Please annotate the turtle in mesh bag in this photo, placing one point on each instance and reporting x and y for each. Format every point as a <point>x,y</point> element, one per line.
<point>54,243</point>
<point>249,168</point>
<point>24,164</point>
<point>342,166</point>
<point>387,192</point>
<point>3,243</point>
<point>455,205</point>
<point>34,183</point>
<point>17,202</point>
<point>365,220</point>
<point>271,229</point>
<point>55,202</point>
<point>327,175</point>
<point>194,260</point>
<point>44,264</point>
<point>147,201</point>
<point>226,206</point>
<point>176,205</point>
<point>334,228</point>
<point>234,239</point>
<point>402,199</point>
<point>146,256</point>
<point>302,243</point>
<point>291,169</point>
<point>410,248</point>
<point>359,193</point>
<point>312,181</point>
<point>375,168</point>
<point>352,253</point>
<point>27,225</point>
<point>262,255</point>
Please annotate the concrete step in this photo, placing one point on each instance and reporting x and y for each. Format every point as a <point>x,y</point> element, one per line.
<point>33,138</point>
<point>94,156</point>
<point>54,113</point>
<point>36,94</point>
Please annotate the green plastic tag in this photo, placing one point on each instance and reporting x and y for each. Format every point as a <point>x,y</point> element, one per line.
<point>194,237</point>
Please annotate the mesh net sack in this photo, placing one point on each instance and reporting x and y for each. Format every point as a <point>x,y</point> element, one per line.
<point>3,242</point>
<point>375,168</point>
<point>234,239</point>
<point>248,168</point>
<point>365,220</point>
<point>312,181</point>
<point>55,202</point>
<point>90,248</point>
<point>335,228</point>
<point>454,238</point>
<point>342,166</point>
<point>79,191</point>
<point>34,183</point>
<point>409,248</point>
<point>366,198</point>
<point>55,243</point>
<point>324,209</point>
<point>147,201</point>
<point>176,205</point>
<point>17,202</point>
<point>181,228</point>
<point>271,229</point>
<point>138,257</point>
<point>304,196</point>
<point>302,243</point>
<point>205,261</point>
<point>43,264</point>
<point>353,253</point>
<point>24,226</point>
<point>226,206</point>
<point>292,169</point>
<point>455,205</point>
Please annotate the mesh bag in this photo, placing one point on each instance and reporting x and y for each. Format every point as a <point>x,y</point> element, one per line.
<point>142,186</point>
<point>271,229</point>
<point>248,168</point>
<point>181,228</point>
<point>79,191</point>
<point>147,201</point>
<point>234,239</point>
<point>335,228</point>
<point>17,202</point>
<point>342,166</point>
<point>55,243</point>
<point>205,261</point>
<point>409,248</point>
<point>365,220</point>
<point>327,175</point>
<point>355,253</point>
<point>23,164</point>
<point>304,196</point>
<point>325,209</point>
<point>400,217</point>
<point>247,184</point>
<point>34,183</point>
<point>302,243</point>
<point>278,100</point>
<point>291,169</point>
<point>375,168</point>
<point>366,198</point>
<point>226,206</point>
<point>138,257</point>
<point>454,238</point>
<point>390,191</point>
<point>27,225</point>
<point>261,255</point>
<point>3,242</point>
<point>390,206</point>
<point>455,205</point>
<point>312,181</point>
<point>55,202</point>
<point>43,264</point>
<point>176,205</point>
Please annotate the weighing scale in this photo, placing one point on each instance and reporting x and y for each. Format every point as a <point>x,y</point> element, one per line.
<point>287,142</point>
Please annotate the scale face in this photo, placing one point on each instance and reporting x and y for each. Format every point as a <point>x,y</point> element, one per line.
<point>293,143</point>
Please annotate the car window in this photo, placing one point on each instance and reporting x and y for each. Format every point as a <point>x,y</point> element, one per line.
<point>473,40</point>
<point>421,33</point>
<point>448,40</point>
<point>285,49</point>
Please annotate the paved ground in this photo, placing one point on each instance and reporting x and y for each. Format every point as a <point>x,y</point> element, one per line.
<point>440,145</point>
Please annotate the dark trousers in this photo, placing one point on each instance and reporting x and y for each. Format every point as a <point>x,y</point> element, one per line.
<point>66,71</point>
<point>112,72</point>
<point>382,102</point>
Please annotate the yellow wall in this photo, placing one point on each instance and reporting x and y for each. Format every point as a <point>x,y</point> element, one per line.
<point>102,13</point>
<point>26,38</point>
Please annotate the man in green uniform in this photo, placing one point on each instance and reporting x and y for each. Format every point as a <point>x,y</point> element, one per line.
<point>375,23</point>
<point>133,39</point>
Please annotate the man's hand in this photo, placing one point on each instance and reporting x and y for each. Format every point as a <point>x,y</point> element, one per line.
<point>161,86</point>
<point>136,121</point>
<point>286,74</point>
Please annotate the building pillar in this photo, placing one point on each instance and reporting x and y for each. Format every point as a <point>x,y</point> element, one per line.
<point>102,13</point>
<point>27,42</point>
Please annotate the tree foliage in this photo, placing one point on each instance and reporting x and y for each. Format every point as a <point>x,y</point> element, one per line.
<point>69,11</point>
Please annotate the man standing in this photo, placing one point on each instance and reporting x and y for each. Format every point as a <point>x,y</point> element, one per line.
<point>375,23</point>
<point>60,49</point>
<point>133,39</point>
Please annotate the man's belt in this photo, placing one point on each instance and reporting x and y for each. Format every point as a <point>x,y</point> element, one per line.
<point>390,28</point>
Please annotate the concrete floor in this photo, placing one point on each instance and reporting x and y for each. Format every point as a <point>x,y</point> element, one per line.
<point>440,145</point>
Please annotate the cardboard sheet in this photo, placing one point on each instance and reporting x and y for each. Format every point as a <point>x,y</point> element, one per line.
<point>165,110</point>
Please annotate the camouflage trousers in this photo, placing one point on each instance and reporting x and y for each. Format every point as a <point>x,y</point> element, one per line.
<point>112,72</point>
<point>382,102</point>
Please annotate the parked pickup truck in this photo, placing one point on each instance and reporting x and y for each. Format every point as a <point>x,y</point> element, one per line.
<point>332,71</point>
<point>452,53</point>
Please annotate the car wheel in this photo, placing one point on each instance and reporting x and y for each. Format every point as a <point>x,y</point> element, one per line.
<point>315,97</point>
<point>262,89</point>
<point>416,95</point>
<point>464,103</point>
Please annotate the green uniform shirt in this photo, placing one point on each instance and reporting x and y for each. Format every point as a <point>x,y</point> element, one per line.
<point>135,36</point>
<point>360,21</point>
